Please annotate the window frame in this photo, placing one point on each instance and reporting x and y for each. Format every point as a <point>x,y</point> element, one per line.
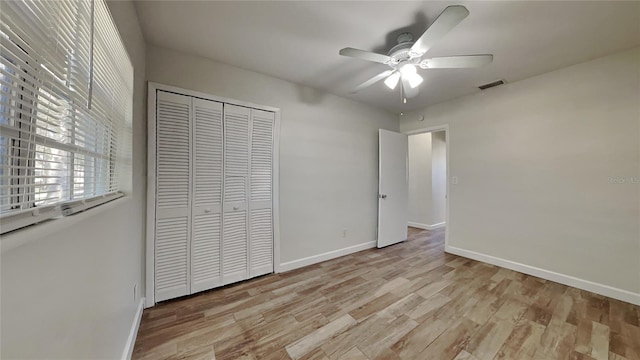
<point>11,216</point>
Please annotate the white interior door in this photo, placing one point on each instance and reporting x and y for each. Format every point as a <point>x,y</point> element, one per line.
<point>235,247</point>
<point>206,225</point>
<point>212,210</point>
<point>393,193</point>
<point>260,194</point>
<point>173,200</point>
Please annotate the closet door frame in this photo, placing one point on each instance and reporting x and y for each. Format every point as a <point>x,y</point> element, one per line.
<point>151,177</point>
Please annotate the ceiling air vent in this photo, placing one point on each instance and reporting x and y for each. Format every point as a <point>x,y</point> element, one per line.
<point>491,84</point>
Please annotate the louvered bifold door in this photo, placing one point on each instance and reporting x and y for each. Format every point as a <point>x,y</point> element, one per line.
<point>260,193</point>
<point>206,230</point>
<point>236,175</point>
<point>173,204</point>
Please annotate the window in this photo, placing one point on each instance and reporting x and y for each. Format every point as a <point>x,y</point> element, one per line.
<point>66,88</point>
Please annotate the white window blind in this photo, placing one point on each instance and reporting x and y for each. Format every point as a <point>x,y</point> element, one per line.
<point>66,87</point>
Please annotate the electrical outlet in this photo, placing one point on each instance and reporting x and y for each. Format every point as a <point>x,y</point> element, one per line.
<point>454,180</point>
<point>135,292</point>
<point>344,233</point>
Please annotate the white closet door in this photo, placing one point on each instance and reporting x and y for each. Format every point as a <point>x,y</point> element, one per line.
<point>206,266</point>
<point>235,257</point>
<point>260,194</point>
<point>173,203</point>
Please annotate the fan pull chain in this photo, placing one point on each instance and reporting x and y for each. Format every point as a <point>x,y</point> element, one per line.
<point>404,98</point>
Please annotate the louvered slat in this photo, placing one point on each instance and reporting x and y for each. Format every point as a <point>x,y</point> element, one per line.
<point>205,252</point>
<point>261,155</point>
<point>236,140</point>
<point>171,257</point>
<point>234,246</point>
<point>208,152</point>
<point>235,189</point>
<point>172,151</point>
<point>261,242</point>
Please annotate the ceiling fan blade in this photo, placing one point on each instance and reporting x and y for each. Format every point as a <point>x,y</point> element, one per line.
<point>453,62</point>
<point>409,92</point>
<point>372,81</point>
<point>365,55</point>
<point>447,20</point>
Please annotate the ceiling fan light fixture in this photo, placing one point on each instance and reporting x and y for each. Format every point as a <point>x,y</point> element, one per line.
<point>414,80</point>
<point>392,80</point>
<point>408,70</point>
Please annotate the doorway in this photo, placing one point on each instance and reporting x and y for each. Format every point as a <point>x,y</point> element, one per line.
<point>431,164</point>
<point>427,181</point>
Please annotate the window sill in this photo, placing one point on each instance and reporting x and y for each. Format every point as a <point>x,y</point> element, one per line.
<point>31,233</point>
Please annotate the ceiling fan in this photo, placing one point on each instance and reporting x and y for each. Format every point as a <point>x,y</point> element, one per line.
<point>406,56</point>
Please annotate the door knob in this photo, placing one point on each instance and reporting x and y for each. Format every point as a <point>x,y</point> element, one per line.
<point>382,196</point>
<point>207,210</point>
<point>236,207</point>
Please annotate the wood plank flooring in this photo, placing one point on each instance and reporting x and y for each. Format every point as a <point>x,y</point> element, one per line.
<point>407,301</point>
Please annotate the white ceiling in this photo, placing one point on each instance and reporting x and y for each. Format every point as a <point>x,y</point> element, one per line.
<point>299,40</point>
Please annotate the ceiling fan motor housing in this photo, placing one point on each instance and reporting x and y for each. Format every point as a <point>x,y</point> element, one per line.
<point>401,53</point>
<point>404,38</point>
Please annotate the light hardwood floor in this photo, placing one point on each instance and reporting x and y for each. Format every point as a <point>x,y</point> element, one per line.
<point>407,301</point>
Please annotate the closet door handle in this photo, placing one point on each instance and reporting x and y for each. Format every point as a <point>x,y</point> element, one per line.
<point>207,210</point>
<point>236,208</point>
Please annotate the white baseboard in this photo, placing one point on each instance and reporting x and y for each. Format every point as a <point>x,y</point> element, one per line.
<point>426,226</point>
<point>601,289</point>
<point>296,264</point>
<point>131,340</point>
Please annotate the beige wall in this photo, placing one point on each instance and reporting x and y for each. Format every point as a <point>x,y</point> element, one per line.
<point>438,177</point>
<point>67,288</point>
<point>427,179</point>
<point>420,175</point>
<point>328,150</point>
<point>538,163</point>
